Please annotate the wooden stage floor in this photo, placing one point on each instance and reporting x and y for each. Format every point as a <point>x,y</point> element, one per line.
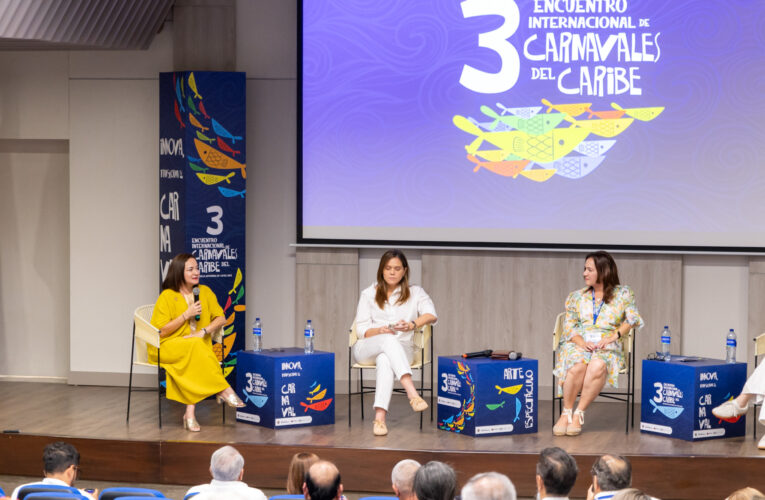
<point>93,418</point>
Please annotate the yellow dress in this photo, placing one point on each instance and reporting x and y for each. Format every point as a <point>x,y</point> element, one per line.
<point>191,365</point>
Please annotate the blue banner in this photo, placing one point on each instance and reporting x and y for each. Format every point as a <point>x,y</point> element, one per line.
<point>202,173</point>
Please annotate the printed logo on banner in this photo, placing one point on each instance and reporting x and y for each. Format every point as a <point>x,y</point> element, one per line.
<point>256,389</point>
<point>583,52</point>
<point>668,400</point>
<point>456,422</point>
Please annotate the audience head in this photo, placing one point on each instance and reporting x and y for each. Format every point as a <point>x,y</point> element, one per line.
<point>402,478</point>
<point>62,461</point>
<point>746,494</point>
<point>556,472</point>
<point>175,277</point>
<point>489,486</point>
<point>608,274</point>
<point>435,481</point>
<point>227,464</point>
<point>610,473</point>
<point>298,467</point>
<point>631,494</point>
<point>322,481</point>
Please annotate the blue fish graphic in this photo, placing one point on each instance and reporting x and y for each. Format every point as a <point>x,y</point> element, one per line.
<point>230,193</point>
<point>178,94</point>
<point>258,401</point>
<point>517,409</point>
<point>671,412</point>
<point>594,148</point>
<point>218,128</point>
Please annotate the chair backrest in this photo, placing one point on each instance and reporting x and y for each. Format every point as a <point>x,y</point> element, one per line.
<point>45,488</point>
<point>55,495</point>
<point>286,497</point>
<point>759,345</point>
<point>421,340</point>
<point>112,493</point>
<point>145,334</point>
<point>189,495</point>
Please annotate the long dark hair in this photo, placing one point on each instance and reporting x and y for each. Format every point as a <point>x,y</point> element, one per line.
<point>382,287</point>
<point>174,278</point>
<point>608,274</point>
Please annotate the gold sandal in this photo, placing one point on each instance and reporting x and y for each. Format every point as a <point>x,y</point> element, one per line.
<point>191,424</point>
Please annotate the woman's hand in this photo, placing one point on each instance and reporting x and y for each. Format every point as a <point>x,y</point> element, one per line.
<point>604,342</point>
<point>403,326</point>
<point>194,309</point>
<point>590,346</point>
<point>199,333</point>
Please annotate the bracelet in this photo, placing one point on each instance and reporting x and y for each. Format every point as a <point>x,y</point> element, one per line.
<point>184,317</point>
<point>618,334</point>
<point>414,325</point>
<point>204,330</point>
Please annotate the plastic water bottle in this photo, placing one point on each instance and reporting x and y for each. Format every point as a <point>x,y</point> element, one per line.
<point>730,347</point>
<point>257,335</point>
<point>666,339</point>
<point>309,334</point>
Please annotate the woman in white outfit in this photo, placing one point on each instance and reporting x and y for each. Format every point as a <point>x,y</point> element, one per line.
<point>754,388</point>
<point>389,311</point>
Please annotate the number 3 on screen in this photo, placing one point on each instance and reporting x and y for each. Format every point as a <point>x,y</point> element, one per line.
<point>503,80</point>
<point>217,215</point>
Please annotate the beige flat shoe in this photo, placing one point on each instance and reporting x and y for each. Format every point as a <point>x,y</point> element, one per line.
<point>191,424</point>
<point>560,430</point>
<point>379,428</point>
<point>575,427</point>
<point>418,404</point>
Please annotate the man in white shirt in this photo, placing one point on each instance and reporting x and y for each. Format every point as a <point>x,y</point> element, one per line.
<point>610,473</point>
<point>556,474</point>
<point>227,470</point>
<point>61,466</point>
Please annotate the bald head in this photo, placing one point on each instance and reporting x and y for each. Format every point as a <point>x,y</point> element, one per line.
<point>611,473</point>
<point>402,478</point>
<point>322,481</point>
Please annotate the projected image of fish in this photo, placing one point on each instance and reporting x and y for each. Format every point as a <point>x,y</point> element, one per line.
<point>671,412</point>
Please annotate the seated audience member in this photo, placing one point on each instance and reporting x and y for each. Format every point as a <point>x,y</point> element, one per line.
<point>556,473</point>
<point>753,391</point>
<point>322,482</point>
<point>746,494</point>
<point>227,470</point>
<point>489,486</point>
<point>298,467</point>
<point>435,481</point>
<point>632,494</point>
<point>610,473</point>
<point>402,478</point>
<point>61,466</point>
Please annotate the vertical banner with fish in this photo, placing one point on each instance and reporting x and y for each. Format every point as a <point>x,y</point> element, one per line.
<point>202,174</point>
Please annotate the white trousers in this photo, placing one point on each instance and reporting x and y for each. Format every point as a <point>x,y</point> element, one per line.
<point>391,357</point>
<point>755,384</point>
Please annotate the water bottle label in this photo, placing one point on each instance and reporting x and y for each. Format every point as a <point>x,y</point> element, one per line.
<point>731,342</point>
<point>308,333</point>
<point>257,331</point>
<point>665,339</point>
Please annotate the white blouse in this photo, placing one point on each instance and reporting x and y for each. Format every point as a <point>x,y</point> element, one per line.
<point>369,315</point>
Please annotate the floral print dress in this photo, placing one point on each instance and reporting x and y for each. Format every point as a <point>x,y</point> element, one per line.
<point>579,321</point>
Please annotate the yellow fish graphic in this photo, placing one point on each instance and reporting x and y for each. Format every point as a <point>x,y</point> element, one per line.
<point>215,159</point>
<point>317,389</point>
<point>572,110</point>
<point>237,280</point>
<point>603,128</point>
<point>318,396</point>
<point>195,122</point>
<point>538,175</point>
<point>513,389</point>
<point>193,85</point>
<point>211,179</point>
<point>642,114</point>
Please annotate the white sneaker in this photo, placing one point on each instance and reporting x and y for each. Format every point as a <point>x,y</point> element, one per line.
<point>761,444</point>
<point>729,410</point>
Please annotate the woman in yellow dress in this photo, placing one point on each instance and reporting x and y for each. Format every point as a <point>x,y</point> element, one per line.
<point>193,370</point>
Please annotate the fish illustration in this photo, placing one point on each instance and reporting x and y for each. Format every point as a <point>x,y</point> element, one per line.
<point>202,109</point>
<point>228,343</point>
<point>642,114</point>
<point>227,371</point>
<point>517,409</point>
<point>227,330</point>
<point>318,396</point>
<point>538,175</point>
<point>228,304</point>
<point>495,126</point>
<point>497,155</point>
<point>178,114</point>
<point>191,158</point>
<point>225,147</point>
<point>240,307</point>
<point>212,179</point>
<point>470,408</point>
<point>215,159</point>
<point>459,421</point>
<point>539,124</point>
<point>195,122</point>
<point>555,144</point>
<point>572,110</point>
<point>503,168</point>
<point>573,167</point>
<point>319,406</point>
<point>605,115</point>
<point>257,400</point>
<point>462,368</point>
<point>218,128</point>
<point>237,280</point>
<point>315,388</point>
<point>448,420</point>
<point>203,137</point>
<point>190,103</point>
<point>603,128</point>
<point>230,193</point>
<point>239,295</point>
<point>193,85</point>
<point>197,168</point>
<point>183,89</point>
<point>494,406</point>
<point>594,148</point>
<point>178,93</point>
<point>528,112</point>
<point>230,319</point>
<point>671,412</point>
<point>513,389</point>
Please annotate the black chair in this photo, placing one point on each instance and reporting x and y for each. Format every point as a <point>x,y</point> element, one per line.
<point>423,355</point>
<point>628,396</point>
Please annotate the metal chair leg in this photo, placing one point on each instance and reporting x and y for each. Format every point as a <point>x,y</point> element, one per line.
<point>130,380</point>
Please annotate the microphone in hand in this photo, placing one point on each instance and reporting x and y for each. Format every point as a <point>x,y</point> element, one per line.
<point>195,291</point>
